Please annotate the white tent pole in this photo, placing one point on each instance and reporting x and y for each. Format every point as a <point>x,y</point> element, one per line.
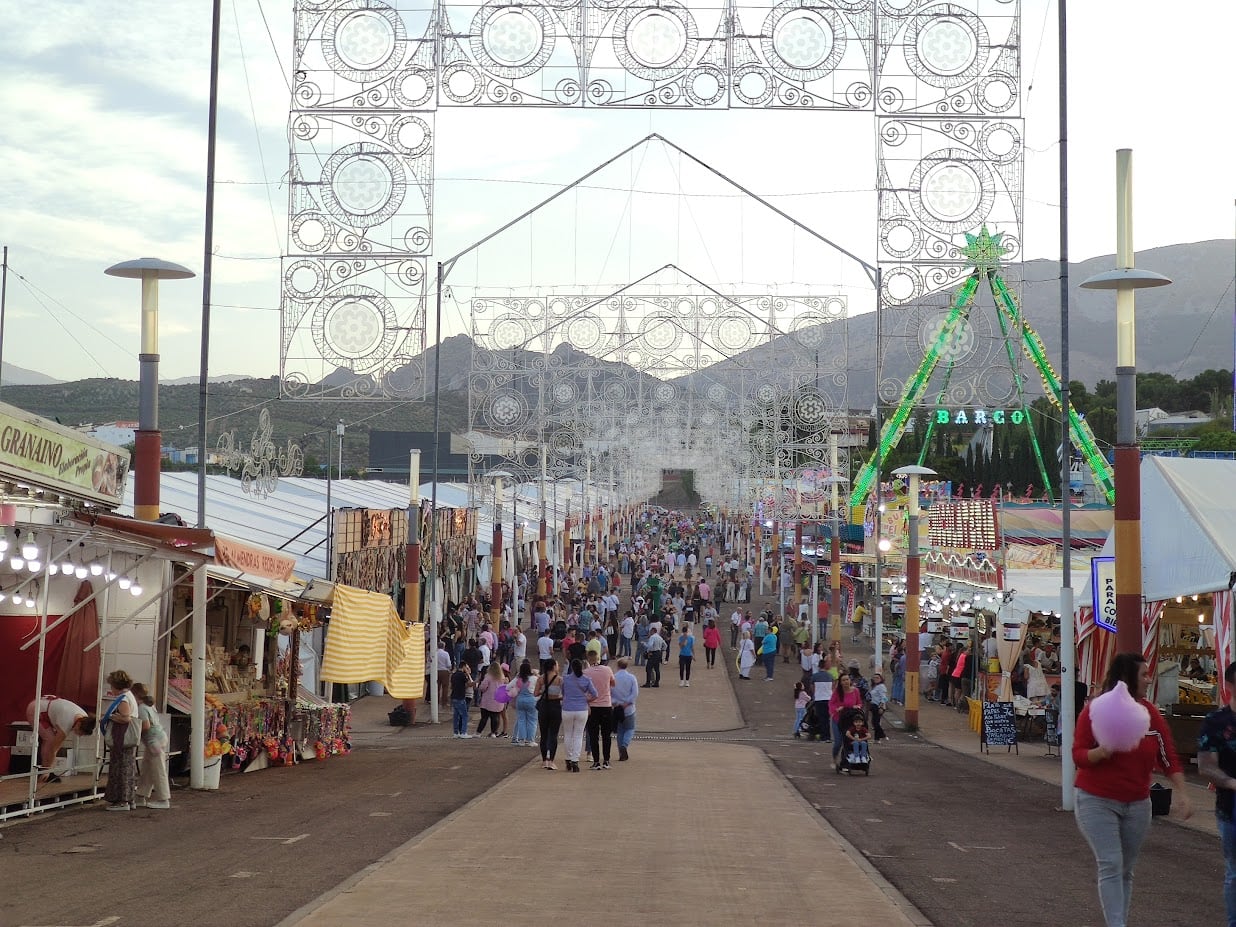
<point>197,725</point>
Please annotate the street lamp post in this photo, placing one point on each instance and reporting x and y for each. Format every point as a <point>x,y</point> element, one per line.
<point>913,473</point>
<point>1125,280</point>
<point>495,553</point>
<point>147,448</point>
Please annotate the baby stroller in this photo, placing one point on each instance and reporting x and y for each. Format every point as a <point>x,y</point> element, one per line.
<point>855,755</point>
<point>815,723</point>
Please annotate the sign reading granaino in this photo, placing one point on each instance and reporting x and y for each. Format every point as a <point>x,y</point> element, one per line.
<point>50,456</point>
<point>255,560</point>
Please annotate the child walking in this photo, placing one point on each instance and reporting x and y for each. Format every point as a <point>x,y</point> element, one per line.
<point>801,701</point>
<point>878,697</point>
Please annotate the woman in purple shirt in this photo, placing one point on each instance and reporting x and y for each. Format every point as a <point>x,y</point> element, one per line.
<point>577,692</point>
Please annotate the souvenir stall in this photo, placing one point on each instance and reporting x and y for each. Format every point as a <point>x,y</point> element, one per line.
<point>254,626</point>
<point>79,597</point>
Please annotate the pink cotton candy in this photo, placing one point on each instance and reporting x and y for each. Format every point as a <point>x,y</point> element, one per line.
<point>1118,720</point>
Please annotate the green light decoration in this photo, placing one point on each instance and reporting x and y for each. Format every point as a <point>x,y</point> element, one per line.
<point>985,252</point>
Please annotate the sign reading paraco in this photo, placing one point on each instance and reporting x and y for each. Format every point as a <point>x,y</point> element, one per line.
<point>50,456</point>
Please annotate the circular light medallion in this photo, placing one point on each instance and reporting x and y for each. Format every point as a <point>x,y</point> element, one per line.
<point>951,191</point>
<point>354,327</point>
<point>362,184</point>
<point>364,40</point>
<point>947,46</point>
<point>803,40</point>
<point>513,37</point>
<point>656,38</point>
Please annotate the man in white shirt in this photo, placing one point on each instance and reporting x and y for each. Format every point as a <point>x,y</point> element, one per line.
<point>627,633</point>
<point>735,627</point>
<point>520,644</point>
<point>444,675</point>
<point>656,648</point>
<point>545,652</point>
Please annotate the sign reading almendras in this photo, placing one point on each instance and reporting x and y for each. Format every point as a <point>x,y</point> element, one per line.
<point>50,456</point>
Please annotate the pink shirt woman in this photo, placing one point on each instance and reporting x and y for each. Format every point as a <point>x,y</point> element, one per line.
<point>712,637</point>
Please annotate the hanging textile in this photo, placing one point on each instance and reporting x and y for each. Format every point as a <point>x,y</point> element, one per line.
<point>365,638</point>
<point>1008,646</point>
<point>78,676</point>
<point>1222,620</point>
<point>408,678</point>
<point>1096,646</point>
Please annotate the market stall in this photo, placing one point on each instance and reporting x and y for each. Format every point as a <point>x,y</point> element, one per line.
<point>1188,532</point>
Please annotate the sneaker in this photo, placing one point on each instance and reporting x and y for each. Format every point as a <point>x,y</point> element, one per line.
<point>681,683</point>
<point>464,736</point>
<point>158,804</point>
<point>687,684</point>
<point>605,765</point>
<point>595,766</point>
<point>122,806</point>
<point>551,767</point>
<point>494,736</point>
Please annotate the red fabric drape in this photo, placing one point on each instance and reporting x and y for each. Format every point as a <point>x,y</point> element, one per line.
<point>20,667</point>
<point>78,676</point>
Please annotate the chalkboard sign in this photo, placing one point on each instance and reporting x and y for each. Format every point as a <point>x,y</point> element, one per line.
<point>999,724</point>
<point>1052,737</point>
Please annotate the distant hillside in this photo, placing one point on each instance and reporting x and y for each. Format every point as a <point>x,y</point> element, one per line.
<point>236,405</point>
<point>12,375</point>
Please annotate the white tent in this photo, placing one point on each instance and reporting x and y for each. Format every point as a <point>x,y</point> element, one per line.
<point>1188,530</point>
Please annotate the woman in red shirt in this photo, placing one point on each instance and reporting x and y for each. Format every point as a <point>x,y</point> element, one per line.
<point>845,695</point>
<point>712,640</point>
<point>1113,790</point>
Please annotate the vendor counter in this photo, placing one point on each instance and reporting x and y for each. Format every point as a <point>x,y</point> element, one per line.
<point>242,729</point>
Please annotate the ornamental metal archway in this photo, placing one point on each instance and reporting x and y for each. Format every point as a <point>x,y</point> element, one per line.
<point>941,79</point>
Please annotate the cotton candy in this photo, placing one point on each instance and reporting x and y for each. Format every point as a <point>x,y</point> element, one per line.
<point>1118,720</point>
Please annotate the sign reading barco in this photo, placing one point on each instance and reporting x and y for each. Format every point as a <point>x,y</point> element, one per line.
<point>50,456</point>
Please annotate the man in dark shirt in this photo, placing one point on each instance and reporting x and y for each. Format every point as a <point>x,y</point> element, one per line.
<point>472,659</point>
<point>1216,758</point>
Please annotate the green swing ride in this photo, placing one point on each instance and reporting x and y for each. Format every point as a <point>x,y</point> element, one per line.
<point>984,252</point>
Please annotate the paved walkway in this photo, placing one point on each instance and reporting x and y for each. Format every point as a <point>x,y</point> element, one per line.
<point>659,840</point>
<point>684,833</point>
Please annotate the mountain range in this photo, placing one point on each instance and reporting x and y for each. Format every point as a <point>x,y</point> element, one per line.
<point>1183,329</point>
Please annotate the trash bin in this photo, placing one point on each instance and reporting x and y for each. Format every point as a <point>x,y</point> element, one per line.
<point>211,771</point>
<point>1160,800</point>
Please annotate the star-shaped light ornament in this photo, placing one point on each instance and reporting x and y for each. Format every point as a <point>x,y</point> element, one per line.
<point>984,250</point>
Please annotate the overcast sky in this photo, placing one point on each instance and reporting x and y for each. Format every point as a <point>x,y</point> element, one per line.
<point>102,158</point>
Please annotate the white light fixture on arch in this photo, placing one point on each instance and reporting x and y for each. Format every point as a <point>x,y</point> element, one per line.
<point>96,568</point>
<point>34,566</point>
<point>30,549</point>
<point>4,540</point>
<point>135,589</point>
<point>53,568</point>
<point>17,564</point>
<point>124,582</point>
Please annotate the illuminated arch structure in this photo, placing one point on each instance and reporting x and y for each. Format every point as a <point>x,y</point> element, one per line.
<point>942,80</point>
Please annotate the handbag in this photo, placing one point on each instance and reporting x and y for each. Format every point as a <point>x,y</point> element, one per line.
<point>132,730</point>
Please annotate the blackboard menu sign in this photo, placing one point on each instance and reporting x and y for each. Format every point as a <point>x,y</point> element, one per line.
<point>999,724</point>
<point>1053,728</point>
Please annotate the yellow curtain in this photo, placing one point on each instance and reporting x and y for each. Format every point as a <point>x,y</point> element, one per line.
<point>365,639</point>
<point>406,678</point>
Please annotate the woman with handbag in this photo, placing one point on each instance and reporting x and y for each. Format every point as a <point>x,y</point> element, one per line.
<point>549,713</point>
<point>493,698</point>
<point>123,729</point>
<point>578,693</point>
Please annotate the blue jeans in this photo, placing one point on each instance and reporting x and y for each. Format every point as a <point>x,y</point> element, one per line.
<point>1115,831</point>
<point>624,646</point>
<point>1227,838</point>
<point>799,714</point>
<point>525,717</point>
<point>626,730</point>
<point>836,729</point>
<point>770,663</point>
<point>459,716</point>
